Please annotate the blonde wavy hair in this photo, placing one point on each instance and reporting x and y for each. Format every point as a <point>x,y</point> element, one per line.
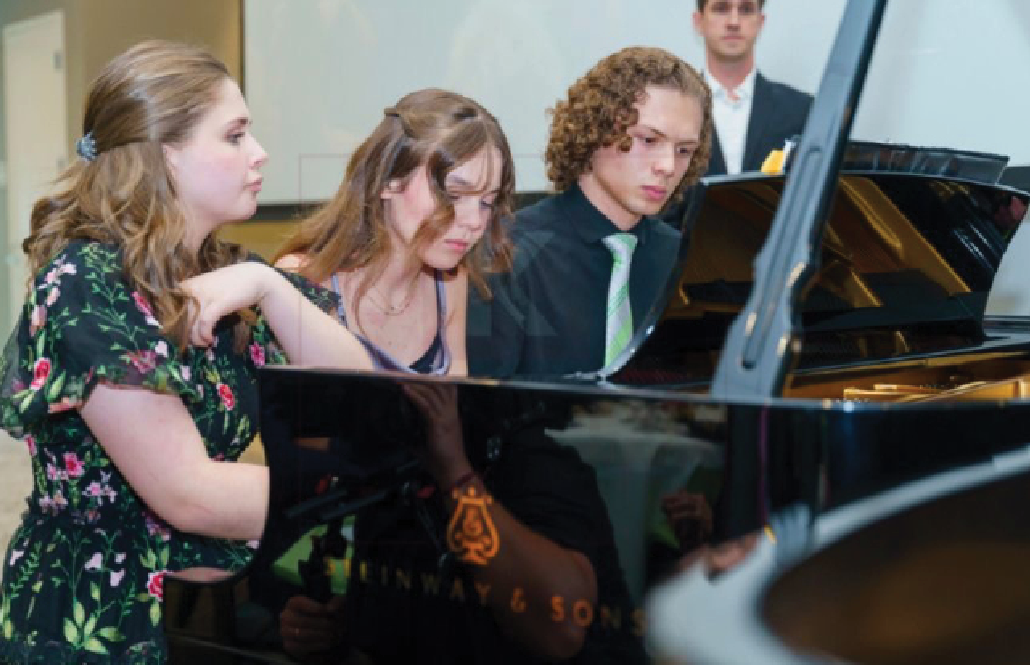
<point>147,97</point>
<point>599,109</point>
<point>439,129</point>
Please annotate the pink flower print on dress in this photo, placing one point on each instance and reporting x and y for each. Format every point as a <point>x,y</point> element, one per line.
<point>161,349</point>
<point>156,527</point>
<point>143,306</point>
<point>257,354</point>
<point>116,577</point>
<point>40,372</point>
<point>95,561</point>
<point>73,465</point>
<point>30,441</point>
<point>60,268</point>
<point>37,319</point>
<point>156,585</point>
<point>46,504</point>
<point>96,490</point>
<point>64,404</point>
<point>52,296</point>
<point>141,303</point>
<point>143,361</point>
<point>15,555</point>
<point>228,399</point>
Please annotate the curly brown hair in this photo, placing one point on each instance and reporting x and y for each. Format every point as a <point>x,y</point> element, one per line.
<point>600,108</point>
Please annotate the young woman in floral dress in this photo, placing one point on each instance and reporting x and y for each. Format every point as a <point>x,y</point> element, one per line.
<point>131,429</point>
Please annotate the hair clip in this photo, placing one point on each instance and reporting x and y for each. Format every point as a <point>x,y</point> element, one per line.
<point>86,147</point>
<point>391,113</point>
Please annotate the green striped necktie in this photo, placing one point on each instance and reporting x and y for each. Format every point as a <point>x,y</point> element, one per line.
<point>619,318</point>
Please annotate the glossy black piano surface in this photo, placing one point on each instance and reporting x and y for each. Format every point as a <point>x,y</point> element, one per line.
<point>346,444</point>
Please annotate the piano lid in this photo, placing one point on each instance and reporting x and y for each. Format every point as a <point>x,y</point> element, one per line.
<point>821,268</point>
<point>974,165</point>
<point>906,265</point>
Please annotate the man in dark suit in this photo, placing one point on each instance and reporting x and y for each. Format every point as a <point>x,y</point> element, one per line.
<point>753,115</point>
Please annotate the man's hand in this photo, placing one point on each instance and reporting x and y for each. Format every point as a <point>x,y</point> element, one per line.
<point>312,629</point>
<point>445,447</point>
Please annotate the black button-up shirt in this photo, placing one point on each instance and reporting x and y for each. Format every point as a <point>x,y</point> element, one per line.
<point>547,317</point>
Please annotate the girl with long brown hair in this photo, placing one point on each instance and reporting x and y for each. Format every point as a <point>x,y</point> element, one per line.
<point>130,427</point>
<point>415,220</point>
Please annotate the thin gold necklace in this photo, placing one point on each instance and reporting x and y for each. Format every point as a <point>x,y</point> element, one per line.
<point>393,310</point>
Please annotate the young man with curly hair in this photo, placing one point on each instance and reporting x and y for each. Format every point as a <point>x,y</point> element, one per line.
<point>591,260</point>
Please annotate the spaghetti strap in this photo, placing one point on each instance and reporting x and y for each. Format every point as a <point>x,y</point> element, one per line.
<point>341,311</point>
<point>441,303</point>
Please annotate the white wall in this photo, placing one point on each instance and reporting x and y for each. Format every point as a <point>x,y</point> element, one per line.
<point>319,72</point>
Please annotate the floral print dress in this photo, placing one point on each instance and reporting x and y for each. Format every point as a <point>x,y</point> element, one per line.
<point>83,576</point>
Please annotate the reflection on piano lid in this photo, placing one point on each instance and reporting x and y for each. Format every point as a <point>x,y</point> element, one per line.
<point>882,157</point>
<point>668,471</point>
<point>906,265</point>
<point>929,572</point>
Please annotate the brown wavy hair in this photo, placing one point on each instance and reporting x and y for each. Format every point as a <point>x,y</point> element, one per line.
<point>151,95</point>
<point>434,127</point>
<point>599,109</point>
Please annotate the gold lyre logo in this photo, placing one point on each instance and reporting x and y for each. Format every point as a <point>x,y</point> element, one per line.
<point>471,533</point>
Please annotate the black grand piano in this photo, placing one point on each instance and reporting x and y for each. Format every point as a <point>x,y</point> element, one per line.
<point>821,341</point>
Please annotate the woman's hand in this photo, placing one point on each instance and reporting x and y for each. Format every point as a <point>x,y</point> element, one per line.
<point>223,291</point>
<point>308,335</point>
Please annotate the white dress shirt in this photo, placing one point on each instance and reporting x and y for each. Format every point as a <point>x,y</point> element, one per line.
<point>731,110</point>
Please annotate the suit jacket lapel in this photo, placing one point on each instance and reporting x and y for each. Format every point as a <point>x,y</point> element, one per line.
<point>716,161</point>
<point>757,121</point>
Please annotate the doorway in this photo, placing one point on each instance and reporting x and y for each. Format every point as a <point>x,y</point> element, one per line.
<point>36,127</point>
